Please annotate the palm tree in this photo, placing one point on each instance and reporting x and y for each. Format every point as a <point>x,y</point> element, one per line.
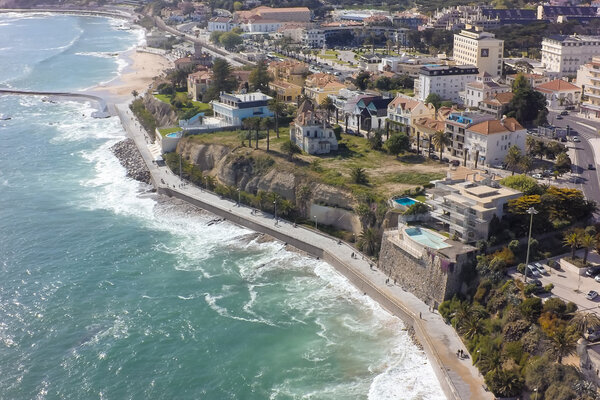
<point>581,322</point>
<point>441,139</point>
<point>513,158</point>
<point>367,241</point>
<point>490,360</point>
<point>359,176</point>
<point>256,125</point>
<point>247,124</point>
<point>471,326</point>
<point>571,239</point>
<point>277,107</point>
<point>327,105</point>
<point>563,341</point>
<point>134,93</point>
<point>267,124</point>
<point>587,241</point>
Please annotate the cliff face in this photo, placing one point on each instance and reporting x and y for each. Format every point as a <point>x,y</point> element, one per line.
<point>242,168</point>
<point>163,112</point>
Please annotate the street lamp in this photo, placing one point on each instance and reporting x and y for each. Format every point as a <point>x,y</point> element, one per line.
<point>316,222</point>
<point>531,211</point>
<point>535,390</point>
<point>239,196</point>
<point>275,208</point>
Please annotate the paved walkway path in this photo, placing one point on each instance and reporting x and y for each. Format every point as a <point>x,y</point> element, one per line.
<point>458,377</point>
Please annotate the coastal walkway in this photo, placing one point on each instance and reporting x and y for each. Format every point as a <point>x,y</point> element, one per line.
<point>458,378</point>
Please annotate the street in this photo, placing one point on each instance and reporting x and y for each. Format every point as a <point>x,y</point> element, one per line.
<point>585,153</point>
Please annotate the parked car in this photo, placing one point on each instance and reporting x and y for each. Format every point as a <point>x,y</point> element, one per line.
<point>597,278</point>
<point>564,113</point>
<point>592,271</point>
<point>591,167</point>
<point>455,163</point>
<point>540,268</point>
<point>533,271</point>
<point>591,295</point>
<point>559,117</point>
<point>446,160</point>
<point>576,139</point>
<point>535,282</point>
<point>434,157</point>
<point>537,176</point>
<point>563,139</point>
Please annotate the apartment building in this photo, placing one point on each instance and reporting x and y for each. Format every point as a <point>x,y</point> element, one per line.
<point>473,46</point>
<point>591,106</point>
<point>484,87</point>
<point>487,142</point>
<point>456,126</point>
<point>560,93</point>
<point>466,207</point>
<point>563,54</point>
<point>444,80</point>
<point>533,79</point>
<point>404,110</point>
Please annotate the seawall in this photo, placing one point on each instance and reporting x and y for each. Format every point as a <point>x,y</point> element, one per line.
<point>98,101</point>
<point>458,378</point>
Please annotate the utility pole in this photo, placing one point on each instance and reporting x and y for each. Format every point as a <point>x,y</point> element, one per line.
<point>531,211</point>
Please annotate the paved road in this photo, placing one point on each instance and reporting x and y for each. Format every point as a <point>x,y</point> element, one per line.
<point>462,378</point>
<point>585,153</point>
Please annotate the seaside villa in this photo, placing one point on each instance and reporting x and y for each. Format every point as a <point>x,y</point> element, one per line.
<point>233,108</point>
<point>311,132</point>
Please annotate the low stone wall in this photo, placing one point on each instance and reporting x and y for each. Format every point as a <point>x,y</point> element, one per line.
<point>566,265</point>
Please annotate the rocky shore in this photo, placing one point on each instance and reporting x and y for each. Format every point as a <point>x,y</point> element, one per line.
<point>129,156</point>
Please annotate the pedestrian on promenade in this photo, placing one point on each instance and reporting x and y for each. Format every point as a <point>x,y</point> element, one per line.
<point>420,317</point>
<point>352,254</point>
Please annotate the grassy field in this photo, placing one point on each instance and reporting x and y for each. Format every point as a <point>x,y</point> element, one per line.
<point>388,175</point>
<point>166,98</point>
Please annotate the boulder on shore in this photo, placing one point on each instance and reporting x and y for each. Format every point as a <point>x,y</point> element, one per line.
<point>129,156</point>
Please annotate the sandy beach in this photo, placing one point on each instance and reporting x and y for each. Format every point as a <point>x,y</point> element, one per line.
<point>138,75</point>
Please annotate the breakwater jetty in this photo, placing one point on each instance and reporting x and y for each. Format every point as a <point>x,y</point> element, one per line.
<point>459,379</point>
<point>99,102</point>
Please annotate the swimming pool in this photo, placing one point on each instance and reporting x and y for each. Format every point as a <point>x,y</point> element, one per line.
<point>174,134</point>
<point>426,238</point>
<point>405,201</point>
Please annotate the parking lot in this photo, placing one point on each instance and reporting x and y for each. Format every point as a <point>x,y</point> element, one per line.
<point>568,285</point>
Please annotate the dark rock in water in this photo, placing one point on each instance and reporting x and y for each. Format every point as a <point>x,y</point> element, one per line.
<point>130,158</point>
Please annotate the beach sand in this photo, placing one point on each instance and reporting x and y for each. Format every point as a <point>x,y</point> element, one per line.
<point>138,75</point>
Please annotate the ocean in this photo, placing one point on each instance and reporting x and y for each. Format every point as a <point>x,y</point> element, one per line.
<point>108,291</point>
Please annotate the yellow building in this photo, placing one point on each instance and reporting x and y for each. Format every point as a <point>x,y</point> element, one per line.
<point>289,71</point>
<point>286,91</point>
<point>591,106</point>
<point>473,46</point>
<point>320,85</point>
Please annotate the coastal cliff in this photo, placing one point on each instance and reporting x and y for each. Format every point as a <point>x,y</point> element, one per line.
<point>162,112</point>
<point>252,172</point>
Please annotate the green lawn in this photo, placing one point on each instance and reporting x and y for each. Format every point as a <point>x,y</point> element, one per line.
<point>416,178</point>
<point>165,98</point>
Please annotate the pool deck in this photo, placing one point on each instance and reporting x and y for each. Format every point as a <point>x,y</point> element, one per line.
<point>458,378</point>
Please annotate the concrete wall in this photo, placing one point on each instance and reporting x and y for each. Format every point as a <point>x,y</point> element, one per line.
<point>423,276</point>
<point>337,217</point>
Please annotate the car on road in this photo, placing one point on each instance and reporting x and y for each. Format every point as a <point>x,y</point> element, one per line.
<point>563,139</point>
<point>537,176</point>
<point>591,167</point>
<point>434,157</point>
<point>565,112</point>
<point>597,278</point>
<point>591,295</point>
<point>499,166</point>
<point>446,160</point>
<point>455,163</point>
<point>531,270</point>
<point>592,271</point>
<point>540,268</point>
<point>576,139</point>
<point>559,117</point>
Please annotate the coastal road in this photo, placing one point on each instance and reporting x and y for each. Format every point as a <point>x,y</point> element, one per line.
<point>587,152</point>
<point>458,377</point>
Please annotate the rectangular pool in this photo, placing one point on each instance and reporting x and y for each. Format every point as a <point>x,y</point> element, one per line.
<point>427,238</point>
<point>405,201</point>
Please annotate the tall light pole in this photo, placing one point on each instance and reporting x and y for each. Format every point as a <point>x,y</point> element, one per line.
<point>531,211</point>
<point>316,222</point>
<point>275,209</point>
<point>239,196</point>
<point>535,390</point>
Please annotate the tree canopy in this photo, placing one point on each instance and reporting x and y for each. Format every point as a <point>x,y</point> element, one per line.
<point>259,77</point>
<point>526,104</point>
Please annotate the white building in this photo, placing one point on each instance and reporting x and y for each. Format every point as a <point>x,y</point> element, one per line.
<point>446,81</point>
<point>313,37</point>
<point>487,142</point>
<point>220,24</point>
<point>591,107</point>
<point>563,55</point>
<point>472,46</point>
<point>466,207</point>
<point>311,132</point>
<point>560,94</point>
<point>481,89</point>
<point>233,108</point>
<point>405,110</point>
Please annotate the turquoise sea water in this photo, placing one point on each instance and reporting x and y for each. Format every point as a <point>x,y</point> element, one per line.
<point>110,292</point>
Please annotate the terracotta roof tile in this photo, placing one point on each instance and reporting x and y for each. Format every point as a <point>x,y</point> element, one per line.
<point>557,85</point>
<point>496,126</point>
